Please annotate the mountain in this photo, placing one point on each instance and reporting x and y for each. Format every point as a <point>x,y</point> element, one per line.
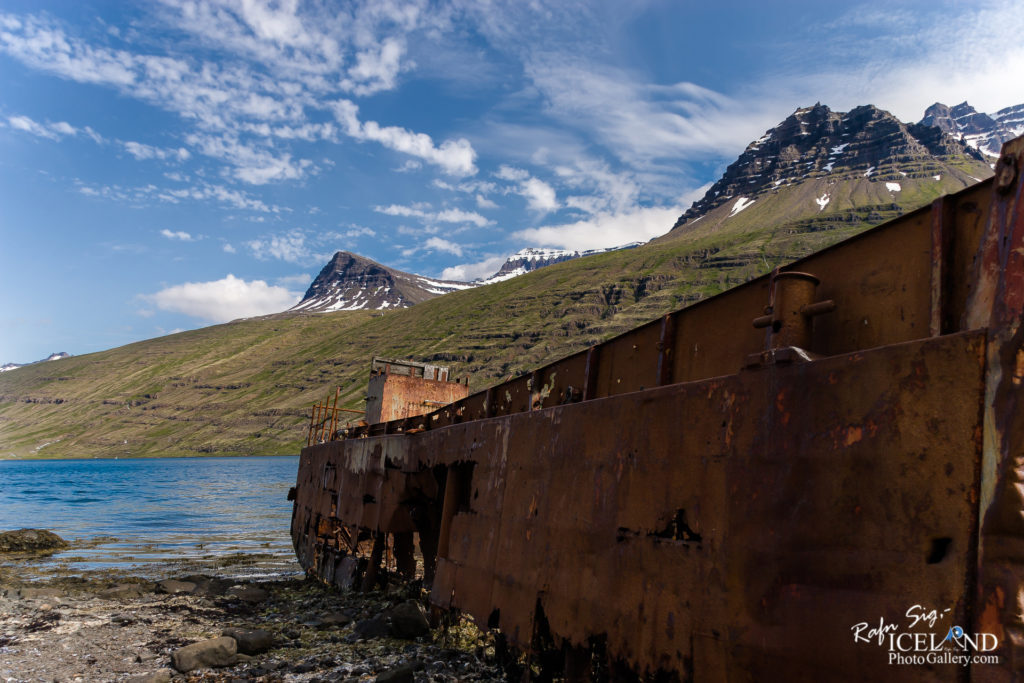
<point>821,175</point>
<point>53,356</point>
<point>983,132</point>
<point>246,387</point>
<point>531,258</point>
<point>350,282</point>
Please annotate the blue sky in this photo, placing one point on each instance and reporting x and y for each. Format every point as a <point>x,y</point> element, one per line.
<point>171,164</point>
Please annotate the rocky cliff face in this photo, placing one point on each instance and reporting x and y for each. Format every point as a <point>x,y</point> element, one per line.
<point>865,144</point>
<point>984,132</point>
<point>350,282</point>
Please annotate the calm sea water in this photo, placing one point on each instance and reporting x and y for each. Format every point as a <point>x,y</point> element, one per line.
<point>156,516</point>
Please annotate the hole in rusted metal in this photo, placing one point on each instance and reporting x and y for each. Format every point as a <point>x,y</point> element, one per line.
<point>678,530</point>
<point>939,549</point>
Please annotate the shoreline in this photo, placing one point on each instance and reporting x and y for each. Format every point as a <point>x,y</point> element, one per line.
<point>111,626</point>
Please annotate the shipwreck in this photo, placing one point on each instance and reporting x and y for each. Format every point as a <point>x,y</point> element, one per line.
<point>817,475</point>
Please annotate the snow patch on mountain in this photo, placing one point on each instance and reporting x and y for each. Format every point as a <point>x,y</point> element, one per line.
<point>741,203</point>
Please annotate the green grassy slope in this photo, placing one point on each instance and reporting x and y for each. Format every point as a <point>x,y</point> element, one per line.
<point>246,387</point>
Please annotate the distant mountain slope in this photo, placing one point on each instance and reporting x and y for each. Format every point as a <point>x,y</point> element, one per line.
<point>983,132</point>
<point>350,282</point>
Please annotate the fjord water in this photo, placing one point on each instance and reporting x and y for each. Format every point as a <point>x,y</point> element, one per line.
<point>154,516</point>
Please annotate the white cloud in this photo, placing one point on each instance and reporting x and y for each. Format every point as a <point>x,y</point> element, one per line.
<point>252,164</point>
<point>267,75</point>
<point>50,131</point>
<point>485,203</point>
<point>454,157</point>
<point>506,172</point>
<point>604,230</point>
<point>539,195</point>
<point>177,235</point>
<point>229,249</point>
<point>143,151</point>
<point>966,51</point>
<point>376,69</point>
<point>225,299</point>
<point>290,247</point>
<point>445,216</point>
<point>460,216</point>
<point>359,231</point>
<point>467,272</point>
<point>643,123</point>
<point>438,244</point>
<point>146,194</point>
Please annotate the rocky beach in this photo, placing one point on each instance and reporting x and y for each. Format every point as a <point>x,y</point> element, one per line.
<point>114,626</point>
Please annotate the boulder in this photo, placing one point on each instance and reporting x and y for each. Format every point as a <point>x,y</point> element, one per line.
<point>30,540</point>
<point>175,587</point>
<point>29,593</point>
<point>247,593</point>
<point>251,642</point>
<point>334,620</point>
<point>408,621</point>
<point>404,673</point>
<point>121,591</point>
<point>208,586</point>
<point>368,629</point>
<point>221,651</point>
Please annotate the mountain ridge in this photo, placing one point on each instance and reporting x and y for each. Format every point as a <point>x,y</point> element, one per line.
<point>984,132</point>
<point>350,282</point>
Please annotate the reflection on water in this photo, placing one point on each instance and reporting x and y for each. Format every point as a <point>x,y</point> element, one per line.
<point>228,514</point>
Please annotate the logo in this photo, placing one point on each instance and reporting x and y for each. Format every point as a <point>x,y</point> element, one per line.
<point>925,639</point>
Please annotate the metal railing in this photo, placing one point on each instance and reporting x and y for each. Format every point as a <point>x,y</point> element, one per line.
<point>323,421</point>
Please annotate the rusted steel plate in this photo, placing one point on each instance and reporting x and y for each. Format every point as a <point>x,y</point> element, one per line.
<point>996,299</point>
<point>395,397</point>
<point>817,493</point>
<point>747,517</point>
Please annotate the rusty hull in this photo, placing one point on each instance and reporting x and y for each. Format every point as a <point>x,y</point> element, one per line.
<point>725,492</point>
